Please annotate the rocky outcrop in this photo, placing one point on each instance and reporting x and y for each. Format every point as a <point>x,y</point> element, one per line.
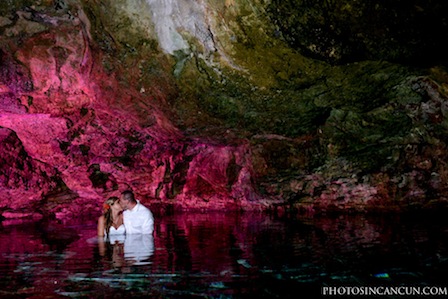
<point>409,32</point>
<point>95,133</point>
<point>214,105</point>
<point>23,180</point>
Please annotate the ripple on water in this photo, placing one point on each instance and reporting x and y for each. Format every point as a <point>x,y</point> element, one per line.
<point>221,256</point>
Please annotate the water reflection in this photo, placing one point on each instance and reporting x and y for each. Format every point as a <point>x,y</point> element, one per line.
<point>127,250</point>
<point>221,255</point>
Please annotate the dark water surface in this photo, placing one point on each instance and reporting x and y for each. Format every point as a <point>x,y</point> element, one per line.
<point>223,255</point>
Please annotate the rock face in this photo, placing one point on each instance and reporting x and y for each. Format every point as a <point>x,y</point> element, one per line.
<point>345,31</point>
<point>23,180</point>
<point>212,105</point>
<point>95,135</point>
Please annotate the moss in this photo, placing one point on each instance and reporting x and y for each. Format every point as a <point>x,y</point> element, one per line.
<point>440,75</point>
<point>355,30</point>
<point>12,6</point>
<point>370,140</point>
<point>129,49</point>
<point>269,100</point>
<point>361,86</point>
<point>262,94</point>
<point>356,109</point>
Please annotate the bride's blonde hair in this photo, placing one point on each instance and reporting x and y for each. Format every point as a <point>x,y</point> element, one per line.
<point>108,213</point>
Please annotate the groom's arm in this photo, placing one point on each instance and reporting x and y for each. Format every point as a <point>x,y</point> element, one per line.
<point>148,224</point>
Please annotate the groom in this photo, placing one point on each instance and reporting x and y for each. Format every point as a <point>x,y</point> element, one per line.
<point>137,218</point>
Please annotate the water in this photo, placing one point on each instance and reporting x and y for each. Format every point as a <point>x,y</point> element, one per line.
<point>223,255</point>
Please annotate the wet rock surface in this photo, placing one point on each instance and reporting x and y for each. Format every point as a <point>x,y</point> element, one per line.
<point>409,32</point>
<point>230,116</point>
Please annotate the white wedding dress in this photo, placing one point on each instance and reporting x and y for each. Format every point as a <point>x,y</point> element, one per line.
<point>121,230</point>
<point>116,234</point>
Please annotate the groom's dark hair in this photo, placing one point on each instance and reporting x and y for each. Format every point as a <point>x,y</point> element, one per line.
<point>128,195</point>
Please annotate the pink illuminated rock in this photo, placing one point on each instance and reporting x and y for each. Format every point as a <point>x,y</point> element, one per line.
<point>73,135</point>
<point>23,180</point>
<point>90,105</point>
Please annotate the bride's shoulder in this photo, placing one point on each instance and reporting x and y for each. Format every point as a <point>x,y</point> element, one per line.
<point>101,219</point>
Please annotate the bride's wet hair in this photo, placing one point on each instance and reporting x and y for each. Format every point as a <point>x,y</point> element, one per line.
<point>108,212</point>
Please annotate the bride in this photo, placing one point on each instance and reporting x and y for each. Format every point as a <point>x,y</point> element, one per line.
<point>111,222</point>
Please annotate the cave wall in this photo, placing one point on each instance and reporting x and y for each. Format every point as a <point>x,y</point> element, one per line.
<point>89,122</point>
<point>219,104</point>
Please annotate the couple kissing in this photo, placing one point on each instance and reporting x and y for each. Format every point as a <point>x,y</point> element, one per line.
<point>125,215</point>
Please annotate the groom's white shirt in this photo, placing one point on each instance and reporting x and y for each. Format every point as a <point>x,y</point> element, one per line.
<point>138,220</point>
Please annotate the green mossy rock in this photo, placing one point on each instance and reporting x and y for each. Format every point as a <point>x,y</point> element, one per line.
<point>323,90</point>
